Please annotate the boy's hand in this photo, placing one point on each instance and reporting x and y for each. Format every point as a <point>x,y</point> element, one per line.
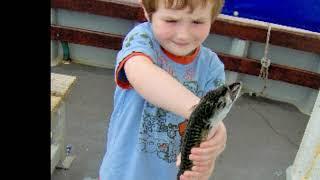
<point>204,156</point>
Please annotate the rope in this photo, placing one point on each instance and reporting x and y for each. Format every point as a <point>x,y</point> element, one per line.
<point>265,61</point>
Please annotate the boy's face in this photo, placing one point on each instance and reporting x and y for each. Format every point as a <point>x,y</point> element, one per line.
<point>179,31</point>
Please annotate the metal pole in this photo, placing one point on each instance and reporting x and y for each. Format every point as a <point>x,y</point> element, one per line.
<point>306,165</point>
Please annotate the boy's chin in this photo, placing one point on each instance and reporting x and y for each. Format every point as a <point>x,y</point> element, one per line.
<point>183,52</point>
<point>179,51</point>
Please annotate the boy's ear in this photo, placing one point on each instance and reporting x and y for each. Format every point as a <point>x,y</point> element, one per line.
<point>144,10</point>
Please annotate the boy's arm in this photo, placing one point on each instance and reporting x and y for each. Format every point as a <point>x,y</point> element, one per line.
<point>158,87</point>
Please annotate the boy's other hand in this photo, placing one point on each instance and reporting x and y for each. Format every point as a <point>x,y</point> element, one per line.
<point>204,157</point>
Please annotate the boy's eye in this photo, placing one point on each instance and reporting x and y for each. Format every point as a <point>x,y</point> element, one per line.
<point>197,22</point>
<point>171,21</point>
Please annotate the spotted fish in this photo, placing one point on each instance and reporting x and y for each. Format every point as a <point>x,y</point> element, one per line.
<point>211,110</point>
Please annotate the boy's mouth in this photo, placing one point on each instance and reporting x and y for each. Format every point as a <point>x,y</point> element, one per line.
<point>181,43</point>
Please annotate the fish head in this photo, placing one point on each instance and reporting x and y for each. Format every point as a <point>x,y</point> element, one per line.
<point>223,96</point>
<point>227,95</point>
<point>219,101</point>
<point>233,91</point>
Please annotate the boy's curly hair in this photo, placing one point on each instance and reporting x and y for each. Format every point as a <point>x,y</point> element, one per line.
<point>151,5</point>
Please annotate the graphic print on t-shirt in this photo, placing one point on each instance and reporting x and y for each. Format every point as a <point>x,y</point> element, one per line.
<point>158,136</point>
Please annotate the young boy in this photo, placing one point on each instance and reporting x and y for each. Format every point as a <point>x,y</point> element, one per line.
<point>161,72</point>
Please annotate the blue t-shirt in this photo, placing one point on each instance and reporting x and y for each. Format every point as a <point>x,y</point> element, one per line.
<point>144,140</point>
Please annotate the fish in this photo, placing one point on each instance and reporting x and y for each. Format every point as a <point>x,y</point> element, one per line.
<point>212,108</point>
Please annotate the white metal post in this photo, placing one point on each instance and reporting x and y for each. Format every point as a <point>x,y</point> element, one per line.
<point>238,48</point>
<point>306,165</point>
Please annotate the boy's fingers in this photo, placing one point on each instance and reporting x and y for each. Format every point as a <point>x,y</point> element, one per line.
<point>183,177</point>
<point>201,169</point>
<point>205,157</point>
<point>206,154</point>
<point>203,151</point>
<point>191,174</point>
<point>202,163</point>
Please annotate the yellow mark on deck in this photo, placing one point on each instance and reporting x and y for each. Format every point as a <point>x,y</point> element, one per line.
<point>313,163</point>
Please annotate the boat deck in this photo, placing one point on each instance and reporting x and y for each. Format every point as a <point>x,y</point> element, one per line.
<point>263,135</point>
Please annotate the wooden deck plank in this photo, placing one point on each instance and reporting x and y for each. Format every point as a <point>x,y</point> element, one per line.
<point>86,37</point>
<point>55,102</point>
<point>61,84</point>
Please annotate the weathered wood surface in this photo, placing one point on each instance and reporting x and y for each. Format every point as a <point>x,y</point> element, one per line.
<point>61,84</point>
<point>55,102</point>
<point>86,37</point>
<point>60,87</point>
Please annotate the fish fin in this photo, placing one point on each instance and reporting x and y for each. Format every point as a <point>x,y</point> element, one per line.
<point>182,127</point>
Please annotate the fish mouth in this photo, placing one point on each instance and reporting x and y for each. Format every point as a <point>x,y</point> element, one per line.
<point>235,89</point>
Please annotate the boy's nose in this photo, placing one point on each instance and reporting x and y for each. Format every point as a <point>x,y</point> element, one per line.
<point>183,33</point>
